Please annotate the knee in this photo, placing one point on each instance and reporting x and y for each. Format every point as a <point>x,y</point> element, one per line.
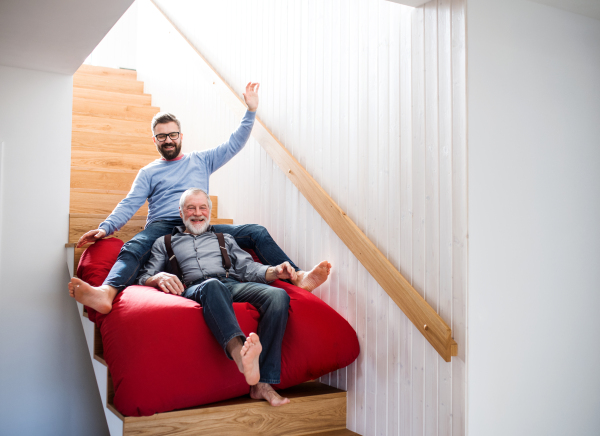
<point>213,289</point>
<point>137,247</point>
<point>258,231</point>
<point>280,300</point>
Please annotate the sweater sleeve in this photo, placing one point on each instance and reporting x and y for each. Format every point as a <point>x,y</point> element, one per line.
<point>219,156</point>
<point>140,190</point>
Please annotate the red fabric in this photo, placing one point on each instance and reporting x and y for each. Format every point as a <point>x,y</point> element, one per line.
<point>162,355</point>
<point>95,264</point>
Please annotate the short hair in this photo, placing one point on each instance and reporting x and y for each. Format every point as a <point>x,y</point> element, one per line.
<point>164,118</point>
<point>194,191</point>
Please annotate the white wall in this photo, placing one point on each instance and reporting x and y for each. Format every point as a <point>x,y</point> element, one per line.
<point>370,97</point>
<point>46,380</point>
<point>534,214</point>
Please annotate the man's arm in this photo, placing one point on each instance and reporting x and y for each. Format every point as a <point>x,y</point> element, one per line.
<point>122,213</point>
<point>154,274</point>
<point>219,156</point>
<point>283,271</point>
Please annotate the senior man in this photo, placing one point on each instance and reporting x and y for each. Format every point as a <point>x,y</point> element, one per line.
<point>216,279</point>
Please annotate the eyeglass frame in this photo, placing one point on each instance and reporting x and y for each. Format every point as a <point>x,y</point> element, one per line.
<point>167,135</point>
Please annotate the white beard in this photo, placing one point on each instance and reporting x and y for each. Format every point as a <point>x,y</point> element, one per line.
<point>196,227</point>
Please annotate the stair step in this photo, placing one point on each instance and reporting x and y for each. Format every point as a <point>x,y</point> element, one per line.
<point>108,72</point>
<point>314,408</point>
<point>99,201</point>
<point>120,111</point>
<point>115,127</point>
<point>105,179</point>
<point>100,95</point>
<point>110,160</point>
<point>83,140</point>
<point>112,84</point>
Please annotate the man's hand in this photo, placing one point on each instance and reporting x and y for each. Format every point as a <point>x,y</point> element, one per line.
<point>251,96</point>
<point>91,236</point>
<point>168,283</point>
<point>282,272</point>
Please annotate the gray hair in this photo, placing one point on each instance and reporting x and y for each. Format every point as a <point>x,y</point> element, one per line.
<point>194,191</point>
<point>164,118</point>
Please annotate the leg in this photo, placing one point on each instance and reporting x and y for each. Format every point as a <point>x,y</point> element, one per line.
<point>273,305</point>
<point>131,258</point>
<point>257,238</point>
<point>217,305</point>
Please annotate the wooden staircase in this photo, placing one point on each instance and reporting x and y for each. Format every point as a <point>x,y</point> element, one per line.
<point>111,141</point>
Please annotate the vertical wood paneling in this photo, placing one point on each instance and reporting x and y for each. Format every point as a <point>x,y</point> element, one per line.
<point>370,96</point>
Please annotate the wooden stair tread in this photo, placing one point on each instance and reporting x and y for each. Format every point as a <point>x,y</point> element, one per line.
<point>314,407</point>
<point>116,110</point>
<point>105,83</point>
<point>96,141</point>
<point>113,126</point>
<point>103,95</point>
<point>108,72</point>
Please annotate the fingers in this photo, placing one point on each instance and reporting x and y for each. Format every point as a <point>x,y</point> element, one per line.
<point>171,284</point>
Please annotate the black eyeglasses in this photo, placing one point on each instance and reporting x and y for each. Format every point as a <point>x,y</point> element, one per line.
<point>163,136</point>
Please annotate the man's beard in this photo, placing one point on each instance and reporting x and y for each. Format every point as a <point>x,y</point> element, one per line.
<point>172,154</point>
<point>194,227</point>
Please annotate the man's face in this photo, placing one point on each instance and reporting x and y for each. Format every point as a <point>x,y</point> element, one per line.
<point>195,214</point>
<point>169,148</point>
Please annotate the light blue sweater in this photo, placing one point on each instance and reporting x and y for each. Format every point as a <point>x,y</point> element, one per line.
<point>162,182</point>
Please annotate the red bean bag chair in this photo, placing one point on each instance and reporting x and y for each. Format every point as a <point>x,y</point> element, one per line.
<point>162,355</point>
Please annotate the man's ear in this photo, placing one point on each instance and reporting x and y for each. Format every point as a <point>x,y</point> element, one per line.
<point>180,213</point>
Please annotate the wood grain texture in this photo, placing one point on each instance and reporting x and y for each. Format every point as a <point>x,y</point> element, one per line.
<point>397,287</point>
<point>102,95</point>
<point>112,84</point>
<point>101,160</point>
<point>314,407</point>
<point>106,142</point>
<point>114,127</point>
<point>131,112</point>
<point>108,72</point>
<point>99,202</point>
<point>102,179</point>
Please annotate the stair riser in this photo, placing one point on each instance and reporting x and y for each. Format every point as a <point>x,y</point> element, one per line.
<point>302,417</point>
<point>106,160</point>
<point>92,81</point>
<point>100,203</point>
<point>113,127</point>
<point>106,142</point>
<point>108,72</point>
<point>118,97</point>
<point>114,110</point>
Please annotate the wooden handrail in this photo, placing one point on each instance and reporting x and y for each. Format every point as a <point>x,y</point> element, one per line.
<point>422,315</point>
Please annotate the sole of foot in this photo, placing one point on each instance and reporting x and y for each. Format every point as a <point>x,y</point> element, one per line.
<point>96,298</point>
<point>250,353</point>
<point>264,391</point>
<point>310,280</point>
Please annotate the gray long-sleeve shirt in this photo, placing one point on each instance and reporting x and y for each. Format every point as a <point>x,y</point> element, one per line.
<point>200,256</point>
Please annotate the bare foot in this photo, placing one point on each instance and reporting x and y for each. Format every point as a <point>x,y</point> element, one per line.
<point>315,277</point>
<point>98,298</point>
<point>250,353</point>
<point>264,391</point>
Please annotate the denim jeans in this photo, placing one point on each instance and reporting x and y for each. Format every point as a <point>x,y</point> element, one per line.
<point>136,252</point>
<point>216,295</point>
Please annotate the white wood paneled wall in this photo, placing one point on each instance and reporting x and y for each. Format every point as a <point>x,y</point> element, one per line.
<point>370,96</point>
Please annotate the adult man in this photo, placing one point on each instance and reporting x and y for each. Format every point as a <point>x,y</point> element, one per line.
<point>201,262</point>
<point>161,183</point>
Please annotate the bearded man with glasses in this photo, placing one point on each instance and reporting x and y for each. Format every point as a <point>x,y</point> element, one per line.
<point>161,183</point>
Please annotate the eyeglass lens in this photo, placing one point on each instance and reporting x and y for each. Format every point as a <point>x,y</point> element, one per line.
<point>163,136</point>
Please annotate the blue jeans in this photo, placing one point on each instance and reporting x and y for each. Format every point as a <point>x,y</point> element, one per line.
<point>216,295</point>
<point>136,252</point>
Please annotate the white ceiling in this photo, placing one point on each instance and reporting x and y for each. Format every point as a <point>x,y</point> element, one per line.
<point>54,35</point>
<point>589,8</point>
